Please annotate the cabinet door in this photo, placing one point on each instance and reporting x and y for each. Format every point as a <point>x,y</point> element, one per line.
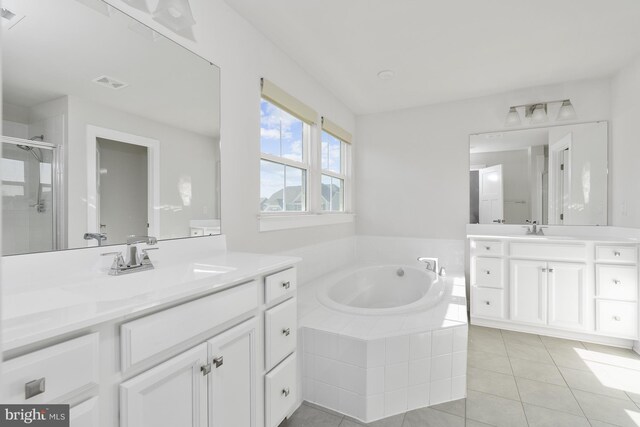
<point>232,381</point>
<point>567,294</point>
<point>528,291</point>
<point>86,414</point>
<point>169,395</point>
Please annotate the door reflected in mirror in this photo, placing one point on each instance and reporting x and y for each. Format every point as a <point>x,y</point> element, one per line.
<point>555,175</point>
<point>109,130</point>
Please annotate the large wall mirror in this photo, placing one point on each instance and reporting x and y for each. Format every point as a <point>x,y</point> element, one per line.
<point>555,175</point>
<point>109,129</point>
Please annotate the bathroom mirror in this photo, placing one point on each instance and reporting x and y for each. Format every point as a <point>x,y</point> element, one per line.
<point>555,175</point>
<point>109,129</point>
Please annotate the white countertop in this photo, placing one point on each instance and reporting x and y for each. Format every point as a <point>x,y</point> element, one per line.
<point>545,238</point>
<point>43,309</point>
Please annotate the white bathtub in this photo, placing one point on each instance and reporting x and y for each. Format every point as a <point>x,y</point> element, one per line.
<point>381,290</point>
<point>379,340</point>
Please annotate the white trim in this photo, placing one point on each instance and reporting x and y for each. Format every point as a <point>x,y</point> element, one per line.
<point>282,222</point>
<point>153,171</point>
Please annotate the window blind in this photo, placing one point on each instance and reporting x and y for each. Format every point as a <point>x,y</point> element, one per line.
<point>290,104</point>
<point>335,130</point>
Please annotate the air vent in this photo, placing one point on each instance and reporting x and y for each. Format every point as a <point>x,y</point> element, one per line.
<point>110,82</point>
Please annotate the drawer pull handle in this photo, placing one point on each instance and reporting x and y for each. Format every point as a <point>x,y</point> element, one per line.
<point>285,391</point>
<point>617,282</point>
<point>551,270</point>
<point>488,271</point>
<point>34,388</point>
<point>487,302</point>
<point>616,253</point>
<point>616,318</point>
<point>218,361</point>
<point>286,332</point>
<point>544,270</point>
<point>286,284</point>
<point>488,248</point>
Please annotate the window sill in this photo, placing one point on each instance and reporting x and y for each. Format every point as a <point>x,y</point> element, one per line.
<point>273,222</point>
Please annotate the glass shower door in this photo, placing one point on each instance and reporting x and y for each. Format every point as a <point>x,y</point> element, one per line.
<point>28,203</point>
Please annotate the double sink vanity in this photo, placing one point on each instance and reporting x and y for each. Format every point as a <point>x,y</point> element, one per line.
<point>207,337</point>
<point>567,285</point>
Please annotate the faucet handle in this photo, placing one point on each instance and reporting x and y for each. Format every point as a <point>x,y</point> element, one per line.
<point>118,260</point>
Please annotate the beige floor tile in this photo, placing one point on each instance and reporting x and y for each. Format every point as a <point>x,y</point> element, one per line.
<point>431,417</point>
<point>608,409</point>
<point>543,417</point>
<point>492,382</point>
<point>306,416</point>
<point>597,380</point>
<point>617,351</point>
<point>477,331</point>
<point>537,371</point>
<point>596,423</point>
<point>528,352</point>
<point>474,423</point>
<point>489,361</point>
<point>456,407</point>
<point>487,345</point>
<point>521,338</point>
<point>568,357</point>
<point>494,410</point>
<point>394,421</point>
<point>553,342</point>
<point>549,396</point>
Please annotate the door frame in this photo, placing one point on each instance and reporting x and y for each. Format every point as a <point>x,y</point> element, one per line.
<point>153,176</point>
<point>556,203</point>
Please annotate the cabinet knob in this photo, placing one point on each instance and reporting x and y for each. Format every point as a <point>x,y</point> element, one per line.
<point>488,248</point>
<point>285,391</point>
<point>286,332</point>
<point>616,253</point>
<point>616,318</point>
<point>551,270</point>
<point>218,361</point>
<point>544,270</point>
<point>286,284</point>
<point>487,302</point>
<point>617,282</point>
<point>34,388</point>
<point>488,271</point>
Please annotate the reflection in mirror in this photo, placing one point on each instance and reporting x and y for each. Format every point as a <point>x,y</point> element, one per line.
<point>555,175</point>
<point>109,130</point>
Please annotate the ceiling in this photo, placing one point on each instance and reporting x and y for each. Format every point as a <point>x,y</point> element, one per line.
<point>446,50</point>
<point>61,46</point>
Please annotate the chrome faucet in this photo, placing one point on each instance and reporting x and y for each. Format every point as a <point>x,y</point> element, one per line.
<point>133,260</point>
<point>534,229</point>
<point>99,237</point>
<point>432,265</point>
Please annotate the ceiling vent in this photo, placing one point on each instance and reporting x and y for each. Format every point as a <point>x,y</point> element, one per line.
<point>110,82</point>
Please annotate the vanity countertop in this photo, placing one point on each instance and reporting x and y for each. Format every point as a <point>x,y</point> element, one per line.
<point>552,238</point>
<point>40,310</point>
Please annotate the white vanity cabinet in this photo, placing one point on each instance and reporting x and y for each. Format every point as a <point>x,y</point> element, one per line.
<point>566,287</point>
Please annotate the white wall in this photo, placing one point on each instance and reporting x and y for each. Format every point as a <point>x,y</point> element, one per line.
<point>244,55</point>
<point>412,165</point>
<point>624,207</point>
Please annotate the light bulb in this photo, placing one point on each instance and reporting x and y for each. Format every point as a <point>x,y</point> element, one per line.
<point>566,112</point>
<point>513,117</point>
<point>539,113</point>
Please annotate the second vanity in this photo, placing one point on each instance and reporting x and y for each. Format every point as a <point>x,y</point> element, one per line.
<point>576,287</point>
<point>207,338</point>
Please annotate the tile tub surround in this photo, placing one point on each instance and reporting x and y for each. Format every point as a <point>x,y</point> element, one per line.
<point>371,367</point>
<point>578,384</point>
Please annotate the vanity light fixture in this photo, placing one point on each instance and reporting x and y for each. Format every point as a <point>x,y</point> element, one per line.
<point>539,112</point>
<point>9,18</point>
<point>566,112</point>
<point>174,14</point>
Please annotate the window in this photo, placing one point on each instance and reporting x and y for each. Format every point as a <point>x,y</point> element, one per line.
<point>332,160</point>
<point>304,170</point>
<point>284,160</point>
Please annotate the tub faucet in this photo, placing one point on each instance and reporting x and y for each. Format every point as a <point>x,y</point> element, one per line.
<point>432,263</point>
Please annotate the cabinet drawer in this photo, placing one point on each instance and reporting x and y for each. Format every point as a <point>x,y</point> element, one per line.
<point>280,284</point>
<point>281,332</point>
<point>617,282</point>
<point>625,254</point>
<point>617,318</point>
<point>487,247</point>
<point>280,391</point>
<point>488,272</point>
<point>487,302</point>
<point>549,251</point>
<point>86,414</point>
<point>146,337</point>
<point>59,370</point>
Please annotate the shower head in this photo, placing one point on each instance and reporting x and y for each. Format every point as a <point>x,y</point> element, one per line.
<point>38,137</point>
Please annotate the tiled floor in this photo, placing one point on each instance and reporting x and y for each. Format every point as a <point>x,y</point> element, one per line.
<point>517,379</point>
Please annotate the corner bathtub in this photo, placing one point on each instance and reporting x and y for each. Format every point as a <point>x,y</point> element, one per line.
<point>379,340</point>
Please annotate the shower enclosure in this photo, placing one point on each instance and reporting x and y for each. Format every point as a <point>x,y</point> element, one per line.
<point>30,190</point>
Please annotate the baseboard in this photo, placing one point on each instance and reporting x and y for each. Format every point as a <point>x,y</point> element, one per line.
<point>558,333</point>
